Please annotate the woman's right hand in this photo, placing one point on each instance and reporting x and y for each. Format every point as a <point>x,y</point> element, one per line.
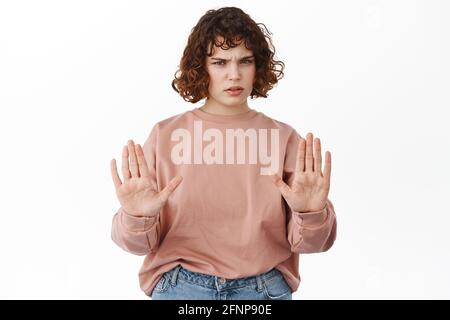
<point>137,194</point>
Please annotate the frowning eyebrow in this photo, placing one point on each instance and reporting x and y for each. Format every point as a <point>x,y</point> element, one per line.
<point>247,57</point>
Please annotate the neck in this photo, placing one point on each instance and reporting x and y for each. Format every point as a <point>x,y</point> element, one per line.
<point>219,109</point>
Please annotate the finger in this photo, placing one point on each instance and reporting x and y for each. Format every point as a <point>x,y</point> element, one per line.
<point>167,191</point>
<point>125,169</point>
<point>309,163</point>
<point>327,169</point>
<point>143,169</point>
<point>317,156</point>
<point>300,163</point>
<point>282,186</point>
<point>115,174</point>
<point>134,169</point>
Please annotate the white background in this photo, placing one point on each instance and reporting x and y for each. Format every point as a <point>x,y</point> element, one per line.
<point>370,78</point>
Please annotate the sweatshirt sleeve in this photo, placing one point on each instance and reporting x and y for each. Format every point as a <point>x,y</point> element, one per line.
<point>312,232</point>
<point>139,235</point>
<point>307,232</point>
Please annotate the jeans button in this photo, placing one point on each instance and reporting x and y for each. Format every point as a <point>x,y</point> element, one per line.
<point>221,280</point>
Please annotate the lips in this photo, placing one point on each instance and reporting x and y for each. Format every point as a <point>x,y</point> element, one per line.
<point>235,88</point>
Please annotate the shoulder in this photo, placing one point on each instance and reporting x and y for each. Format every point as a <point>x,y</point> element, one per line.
<point>172,122</point>
<point>285,128</point>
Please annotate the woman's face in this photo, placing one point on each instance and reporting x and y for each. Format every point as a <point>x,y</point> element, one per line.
<point>228,68</point>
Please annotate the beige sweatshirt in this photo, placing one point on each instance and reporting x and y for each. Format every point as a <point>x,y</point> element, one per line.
<point>226,218</point>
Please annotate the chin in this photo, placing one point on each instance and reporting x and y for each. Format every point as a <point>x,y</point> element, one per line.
<point>235,103</point>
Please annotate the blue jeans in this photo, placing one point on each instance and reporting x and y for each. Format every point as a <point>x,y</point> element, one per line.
<point>182,284</point>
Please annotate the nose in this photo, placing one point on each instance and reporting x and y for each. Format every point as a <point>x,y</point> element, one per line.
<point>233,71</point>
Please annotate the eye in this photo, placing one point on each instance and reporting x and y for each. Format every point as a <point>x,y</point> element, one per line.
<point>222,62</point>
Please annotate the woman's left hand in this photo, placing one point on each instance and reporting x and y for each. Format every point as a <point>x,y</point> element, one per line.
<point>309,189</point>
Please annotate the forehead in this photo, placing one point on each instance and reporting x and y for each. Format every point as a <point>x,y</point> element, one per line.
<point>239,50</point>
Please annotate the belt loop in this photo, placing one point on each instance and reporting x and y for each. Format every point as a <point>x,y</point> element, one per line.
<point>259,281</point>
<point>174,277</point>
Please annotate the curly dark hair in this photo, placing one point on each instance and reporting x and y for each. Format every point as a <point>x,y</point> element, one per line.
<point>234,26</point>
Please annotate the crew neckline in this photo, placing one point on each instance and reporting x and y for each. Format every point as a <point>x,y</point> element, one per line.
<point>224,118</point>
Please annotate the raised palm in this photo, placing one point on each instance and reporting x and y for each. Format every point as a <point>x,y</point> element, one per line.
<point>309,188</point>
<point>138,194</point>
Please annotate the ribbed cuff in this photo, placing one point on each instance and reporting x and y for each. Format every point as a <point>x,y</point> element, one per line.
<point>311,219</point>
<point>137,224</point>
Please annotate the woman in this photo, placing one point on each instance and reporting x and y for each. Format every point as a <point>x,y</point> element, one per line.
<point>222,199</point>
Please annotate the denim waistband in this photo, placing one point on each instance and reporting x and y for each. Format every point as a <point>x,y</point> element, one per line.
<point>216,282</point>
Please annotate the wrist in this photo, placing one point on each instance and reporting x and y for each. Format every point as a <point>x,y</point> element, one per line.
<point>140,214</point>
<point>309,210</point>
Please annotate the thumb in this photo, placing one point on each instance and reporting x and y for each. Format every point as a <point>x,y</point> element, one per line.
<point>167,191</point>
<point>282,186</point>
